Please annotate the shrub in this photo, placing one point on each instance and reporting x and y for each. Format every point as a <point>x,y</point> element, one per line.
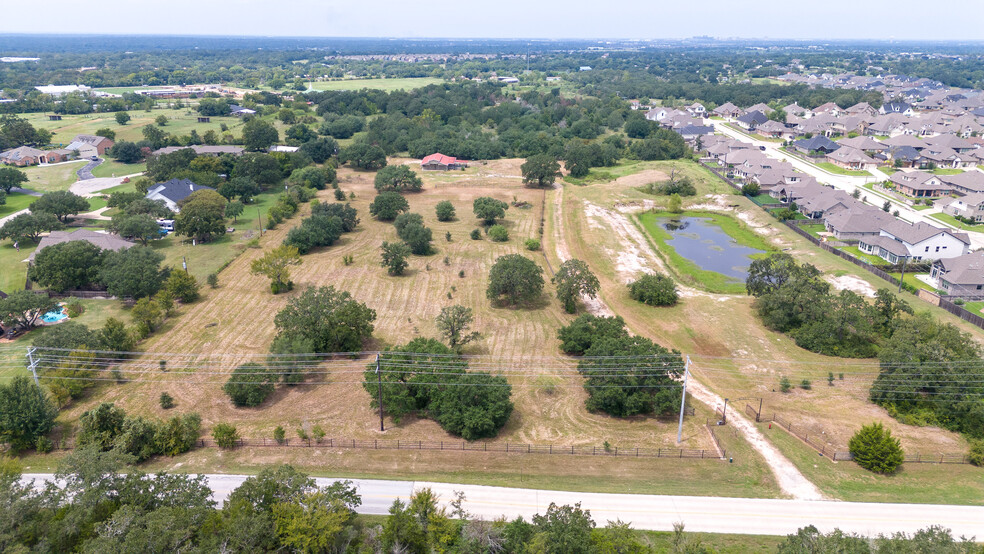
<point>532,244</point>
<point>43,445</point>
<point>182,285</point>
<point>249,385</point>
<point>498,233</point>
<point>476,234</point>
<point>750,189</point>
<point>318,433</point>
<point>225,435</point>
<point>212,280</point>
<point>445,210</point>
<point>785,385</point>
<point>302,434</point>
<point>167,401</point>
<point>75,308</point>
<point>279,435</point>
<point>178,434</point>
<point>654,290</point>
<point>976,454</point>
<point>874,449</point>
<point>805,384</point>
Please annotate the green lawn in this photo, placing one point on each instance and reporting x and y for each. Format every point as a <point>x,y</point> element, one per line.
<point>946,171</point>
<point>950,220</point>
<point>887,170</point>
<point>689,272</point>
<point>764,199</point>
<point>180,122</point>
<point>387,85</point>
<point>857,253</point>
<point>814,229</point>
<point>915,483</point>
<point>598,175</point>
<point>910,279</point>
<point>13,270</point>
<point>111,168</point>
<point>122,187</point>
<point>840,170</point>
<point>49,178</point>
<point>15,203</point>
<point>974,307</point>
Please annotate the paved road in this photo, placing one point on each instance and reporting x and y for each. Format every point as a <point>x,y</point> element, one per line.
<point>846,182</point>
<point>85,172</point>
<point>748,516</point>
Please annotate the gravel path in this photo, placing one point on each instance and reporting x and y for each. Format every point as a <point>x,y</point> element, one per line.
<point>85,172</point>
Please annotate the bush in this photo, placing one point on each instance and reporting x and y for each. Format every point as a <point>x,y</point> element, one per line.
<point>874,449</point>
<point>445,210</point>
<point>476,234</point>
<point>785,385</point>
<point>225,435</point>
<point>167,401</point>
<point>178,434</point>
<point>516,277</point>
<point>249,385</point>
<point>279,435</point>
<point>74,308</point>
<point>654,290</point>
<point>532,244</point>
<point>498,233</point>
<point>805,384</point>
<point>43,445</point>
<point>182,285</point>
<point>750,189</point>
<point>976,454</point>
<point>318,433</point>
<point>212,280</point>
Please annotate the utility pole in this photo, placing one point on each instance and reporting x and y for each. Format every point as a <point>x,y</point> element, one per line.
<point>259,220</point>
<point>724,414</point>
<point>683,399</point>
<point>379,381</point>
<point>184,264</point>
<point>32,364</point>
<point>902,277</point>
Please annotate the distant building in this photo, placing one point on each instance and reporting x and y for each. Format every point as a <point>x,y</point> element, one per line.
<point>174,191</point>
<point>201,150</point>
<point>104,241</point>
<point>89,146</point>
<point>61,90</point>
<point>440,162</point>
<point>23,156</point>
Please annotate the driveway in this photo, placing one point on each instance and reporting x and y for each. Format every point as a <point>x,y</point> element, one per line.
<point>89,187</point>
<point>85,172</point>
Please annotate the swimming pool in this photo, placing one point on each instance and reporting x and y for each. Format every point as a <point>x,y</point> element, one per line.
<point>54,317</point>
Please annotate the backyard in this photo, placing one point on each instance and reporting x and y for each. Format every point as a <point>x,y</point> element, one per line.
<point>836,169</point>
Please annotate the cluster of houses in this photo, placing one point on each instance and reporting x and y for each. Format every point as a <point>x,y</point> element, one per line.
<point>81,147</point>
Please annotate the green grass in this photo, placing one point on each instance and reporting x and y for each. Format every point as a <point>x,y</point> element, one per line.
<point>96,203</point>
<point>50,178</point>
<point>974,307</point>
<point>764,199</point>
<point>814,229</point>
<point>946,171</point>
<point>915,483</point>
<point>15,203</point>
<point>387,85</point>
<point>624,167</point>
<point>857,253</point>
<point>13,270</point>
<point>122,187</point>
<point>910,279</point>
<point>180,122</point>
<point>950,220</point>
<point>689,272</point>
<point>827,166</point>
<point>111,168</point>
<point>887,170</point>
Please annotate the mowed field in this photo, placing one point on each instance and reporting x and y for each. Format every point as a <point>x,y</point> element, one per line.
<point>180,122</point>
<point>387,85</point>
<point>237,319</point>
<point>732,352</point>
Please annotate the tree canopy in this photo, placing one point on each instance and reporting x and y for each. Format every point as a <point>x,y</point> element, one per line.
<point>328,320</point>
<point>61,204</point>
<point>516,278</point>
<point>399,178</point>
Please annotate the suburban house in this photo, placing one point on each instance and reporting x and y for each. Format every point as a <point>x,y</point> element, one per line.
<point>102,240</point>
<point>696,110</point>
<point>691,132</point>
<point>865,144</point>
<point>851,158</point>
<point>774,129</point>
<point>904,156</point>
<point>22,156</point>
<point>816,206</point>
<point>659,113</point>
<point>856,222</point>
<point>970,206</point>
<point>202,150</point>
<point>961,276</point>
<point>283,148</point>
<point>440,162</point>
<point>947,157</point>
<point>752,119</point>
<point>727,111</point>
<point>967,182</point>
<point>240,111</point>
<point>89,146</point>
<point>59,155</point>
<point>760,107</point>
<point>919,184</point>
<point>174,191</point>
<point>818,144</point>
<point>920,241</point>
<point>896,107</point>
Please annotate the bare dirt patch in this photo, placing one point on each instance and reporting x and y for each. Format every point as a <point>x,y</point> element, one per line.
<point>851,283</point>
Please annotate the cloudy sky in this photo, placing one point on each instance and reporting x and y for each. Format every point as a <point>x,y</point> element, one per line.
<point>830,19</point>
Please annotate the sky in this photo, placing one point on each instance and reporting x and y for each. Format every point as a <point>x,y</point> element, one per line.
<point>652,19</point>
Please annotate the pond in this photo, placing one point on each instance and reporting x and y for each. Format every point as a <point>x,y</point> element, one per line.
<point>703,242</point>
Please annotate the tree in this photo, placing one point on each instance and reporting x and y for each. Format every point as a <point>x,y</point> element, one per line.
<point>311,177</point>
<point>122,118</point>
<point>368,157</point>
<point>66,266</point>
<point>418,238</point>
<point>453,323</point>
<point>399,178</point>
<point>69,335</point>
<point>147,314</point>
<point>259,135</point>
<point>654,290</point>
<point>106,132</point>
<point>225,435</point>
<point>272,486</point>
<point>142,227</point>
<point>387,205</point>
<point>61,204</point>
<point>321,521</point>
<point>580,334</point>
<point>476,406</point>
<point>444,210</point>
<point>275,264</point>
<point>516,277</point>
<point>183,286</point>
<point>115,336</point>
<point>563,530</point>
<point>202,215</point>
<point>161,120</point>
<point>886,206</point>
<point>874,449</point>
<point>321,149</point>
<point>22,308</point>
<point>29,226</point>
<point>155,137</point>
<point>328,319</point>
<point>249,385</point>
<point>394,257</point>
<point>574,280</point>
<point>498,233</point>
<point>675,205</point>
<point>126,152</point>
<point>489,209</point>
<point>135,272</point>
<point>644,384</point>
<point>26,413</point>
<point>261,169</point>
<point>768,275</point>
<point>234,209</point>
<point>101,425</point>
<point>540,170</point>
<point>751,188</point>
<point>10,178</point>
<point>300,133</point>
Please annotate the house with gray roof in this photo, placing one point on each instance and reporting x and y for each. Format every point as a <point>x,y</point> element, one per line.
<point>104,241</point>
<point>22,156</point>
<point>970,206</point>
<point>899,240</point>
<point>851,158</point>
<point>727,111</point>
<point>818,144</point>
<point>857,222</point>
<point>967,182</point>
<point>752,119</point>
<point>173,192</point>
<point>900,108</point>
<point>919,184</point>
<point>962,276</point>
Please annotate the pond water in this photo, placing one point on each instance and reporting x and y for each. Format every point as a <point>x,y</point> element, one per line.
<point>703,242</point>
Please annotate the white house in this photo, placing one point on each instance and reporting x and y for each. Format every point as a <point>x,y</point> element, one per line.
<point>962,276</point>
<point>898,240</point>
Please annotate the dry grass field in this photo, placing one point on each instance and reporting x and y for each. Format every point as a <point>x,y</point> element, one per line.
<point>731,350</point>
<point>238,318</point>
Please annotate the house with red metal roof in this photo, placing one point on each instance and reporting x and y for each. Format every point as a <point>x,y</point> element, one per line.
<point>440,162</point>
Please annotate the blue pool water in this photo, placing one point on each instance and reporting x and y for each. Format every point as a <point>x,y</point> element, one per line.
<point>52,317</point>
<point>703,242</point>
